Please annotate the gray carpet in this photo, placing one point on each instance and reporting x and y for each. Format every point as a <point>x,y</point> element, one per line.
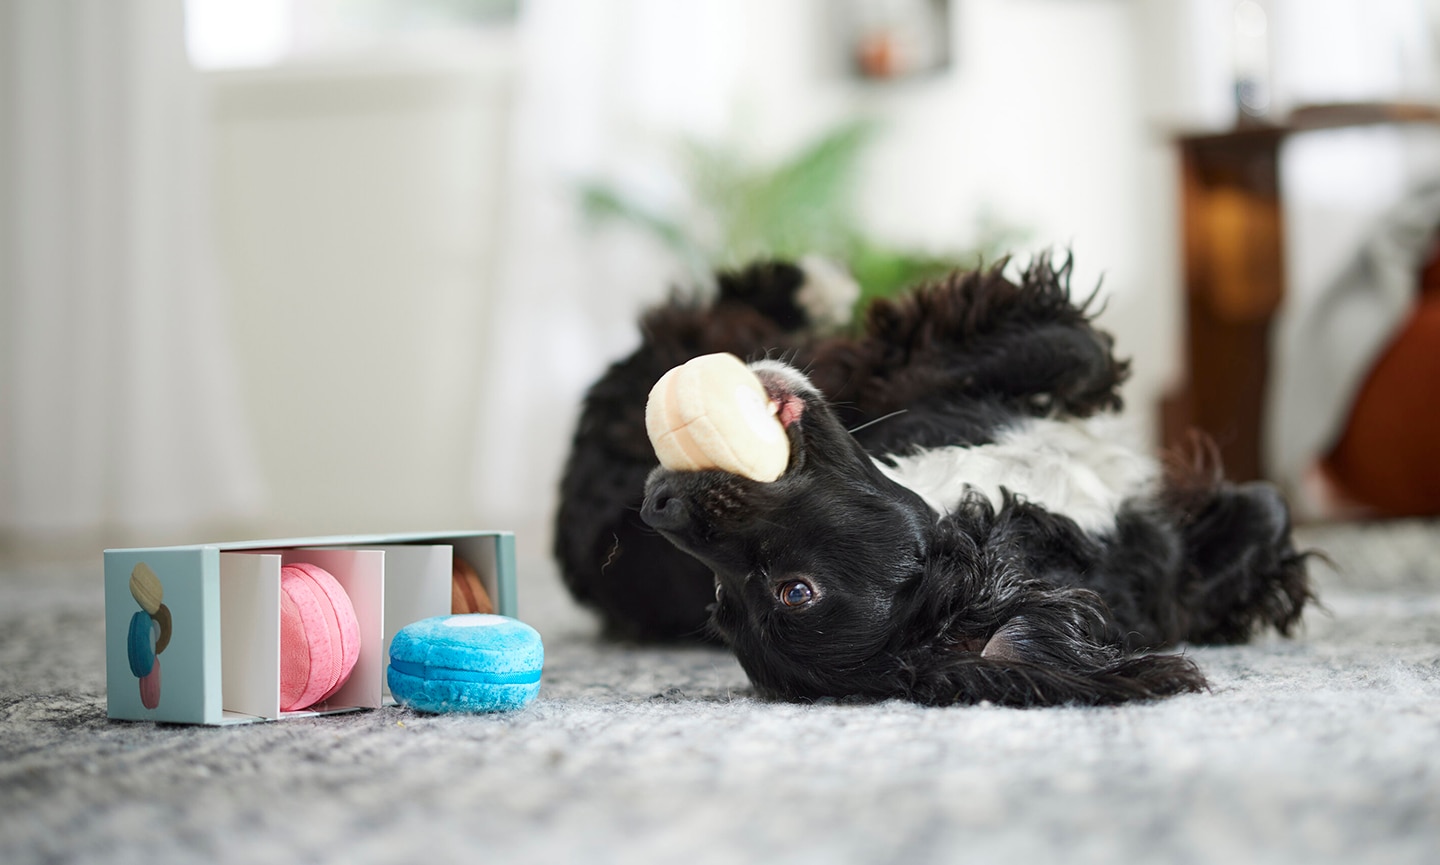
<point>1324,748</point>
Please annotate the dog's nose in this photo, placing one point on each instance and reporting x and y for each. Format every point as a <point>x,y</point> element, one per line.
<point>664,509</point>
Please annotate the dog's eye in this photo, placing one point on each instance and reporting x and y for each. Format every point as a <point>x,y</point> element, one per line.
<point>796,593</point>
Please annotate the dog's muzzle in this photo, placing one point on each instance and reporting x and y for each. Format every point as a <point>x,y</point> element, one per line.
<point>665,509</point>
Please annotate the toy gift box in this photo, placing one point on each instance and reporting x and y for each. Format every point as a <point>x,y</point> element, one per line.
<point>211,613</point>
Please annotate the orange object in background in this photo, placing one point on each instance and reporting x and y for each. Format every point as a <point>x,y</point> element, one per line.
<point>1389,455</point>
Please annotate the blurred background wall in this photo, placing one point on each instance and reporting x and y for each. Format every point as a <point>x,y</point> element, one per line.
<point>289,267</point>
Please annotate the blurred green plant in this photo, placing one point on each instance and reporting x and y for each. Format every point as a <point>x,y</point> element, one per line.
<point>799,206</point>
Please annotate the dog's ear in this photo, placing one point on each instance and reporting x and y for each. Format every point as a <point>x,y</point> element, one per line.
<point>1008,643</point>
<point>1051,647</point>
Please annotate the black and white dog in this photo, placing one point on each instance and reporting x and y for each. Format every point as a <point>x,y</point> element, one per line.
<point>959,520</point>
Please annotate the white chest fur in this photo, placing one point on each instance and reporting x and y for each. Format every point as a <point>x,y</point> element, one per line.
<point>1083,469</point>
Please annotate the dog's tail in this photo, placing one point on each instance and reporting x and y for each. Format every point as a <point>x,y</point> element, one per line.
<point>1242,572</point>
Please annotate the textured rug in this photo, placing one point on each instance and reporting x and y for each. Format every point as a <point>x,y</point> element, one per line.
<point>1324,748</point>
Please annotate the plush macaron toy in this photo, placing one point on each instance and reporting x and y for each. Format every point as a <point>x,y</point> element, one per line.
<point>713,413</point>
<point>319,636</point>
<point>466,663</point>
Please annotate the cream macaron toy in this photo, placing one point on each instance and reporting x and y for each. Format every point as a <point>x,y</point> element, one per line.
<point>713,413</point>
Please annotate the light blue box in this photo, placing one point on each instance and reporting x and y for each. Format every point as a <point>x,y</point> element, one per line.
<point>190,680</point>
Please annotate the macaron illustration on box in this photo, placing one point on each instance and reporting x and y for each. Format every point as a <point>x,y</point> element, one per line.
<point>156,636</point>
<point>266,630</point>
<point>150,632</point>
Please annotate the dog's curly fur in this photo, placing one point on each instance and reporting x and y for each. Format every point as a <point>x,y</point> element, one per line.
<point>841,580</point>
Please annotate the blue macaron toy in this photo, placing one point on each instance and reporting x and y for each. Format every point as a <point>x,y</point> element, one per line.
<point>466,663</point>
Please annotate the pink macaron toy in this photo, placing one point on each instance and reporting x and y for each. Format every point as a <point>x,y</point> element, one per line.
<point>319,636</point>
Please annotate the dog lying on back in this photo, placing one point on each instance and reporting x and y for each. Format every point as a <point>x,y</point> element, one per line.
<point>959,520</point>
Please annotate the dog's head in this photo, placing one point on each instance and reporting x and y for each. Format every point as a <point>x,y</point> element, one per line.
<point>810,568</point>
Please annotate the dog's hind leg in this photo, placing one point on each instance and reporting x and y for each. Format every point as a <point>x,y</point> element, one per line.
<point>978,336</point>
<point>1241,572</point>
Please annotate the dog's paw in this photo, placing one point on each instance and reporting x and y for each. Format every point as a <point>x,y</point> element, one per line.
<point>829,292</point>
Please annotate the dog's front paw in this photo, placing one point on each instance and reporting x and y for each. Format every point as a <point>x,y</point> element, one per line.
<point>829,292</point>
<point>816,293</point>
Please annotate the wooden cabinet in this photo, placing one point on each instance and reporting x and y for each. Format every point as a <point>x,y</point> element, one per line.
<point>1233,228</point>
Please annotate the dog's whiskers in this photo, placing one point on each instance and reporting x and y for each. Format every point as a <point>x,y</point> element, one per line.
<point>871,423</point>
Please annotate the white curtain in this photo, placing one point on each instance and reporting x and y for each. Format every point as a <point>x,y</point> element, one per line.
<point>120,408</point>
